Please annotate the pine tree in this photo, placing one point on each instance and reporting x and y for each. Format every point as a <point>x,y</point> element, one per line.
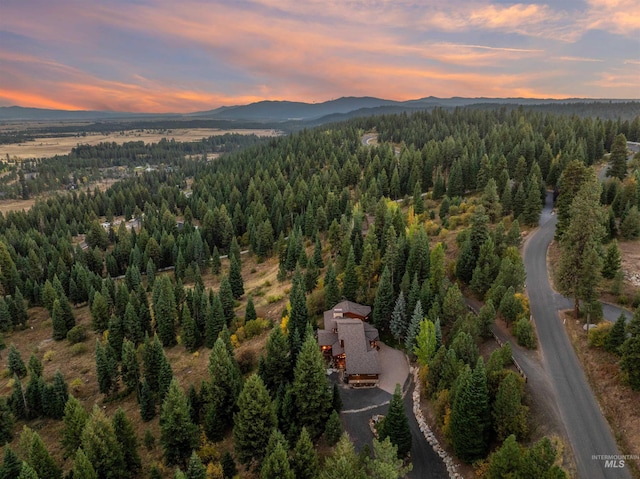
<point>225,387</point>
<point>612,261</point>
<point>147,402</point>
<point>35,366</point>
<point>74,420</point>
<point>190,333</point>
<point>99,313</point>
<point>195,468</point>
<point>383,306</point>
<point>229,470</point>
<point>226,298</point>
<point>7,422</point>
<point>470,413</point>
<point>395,425</point>
<point>505,462</point>
<point>59,397</point>
<point>398,325</point>
<point>131,325</point>
<point>215,321</point>
<point>101,447</point>
<point>618,158</point>
<point>16,364</point>
<point>277,368</point>
<point>299,315</point>
<point>304,460</point>
<point>276,464</point>
<point>235,278</point>
<point>333,430</point>
<point>486,318</point>
<point>106,369</point>
<point>165,311</point>
<point>508,413</point>
<point>617,335</point>
<point>57,320</point>
<point>414,327</point>
<point>343,462</point>
<point>630,225</point>
<point>126,436</point>
<point>178,434</point>
<point>116,335</point>
<point>456,180</point>
<point>82,467</point>
<point>630,352</point>
<point>331,288</point>
<point>250,311</point>
<point>533,206</point>
<point>350,278</point>
<point>254,422</point>
<point>310,388</point>
<point>27,472</point>
<point>130,367</point>
<point>11,464</point>
<point>41,461</point>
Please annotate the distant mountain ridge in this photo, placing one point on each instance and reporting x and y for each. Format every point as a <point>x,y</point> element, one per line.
<point>269,111</point>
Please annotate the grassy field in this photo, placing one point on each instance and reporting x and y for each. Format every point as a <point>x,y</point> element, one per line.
<point>48,146</point>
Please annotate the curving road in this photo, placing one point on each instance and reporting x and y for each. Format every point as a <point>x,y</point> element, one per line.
<point>588,432</point>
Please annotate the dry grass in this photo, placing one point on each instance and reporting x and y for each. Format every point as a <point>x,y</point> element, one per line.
<point>48,146</point>
<point>260,280</point>
<point>617,401</point>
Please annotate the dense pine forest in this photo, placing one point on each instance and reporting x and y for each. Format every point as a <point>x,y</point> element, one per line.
<point>156,267</point>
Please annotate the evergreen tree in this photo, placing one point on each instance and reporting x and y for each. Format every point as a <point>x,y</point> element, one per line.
<point>333,430</point>
<point>74,420</point>
<point>126,436</point>
<point>491,201</point>
<point>101,447</point>
<point>235,278</point>
<point>276,465</point>
<point>398,325</point>
<point>470,413</point>
<point>250,311</point>
<point>178,435</point>
<point>57,320</point>
<point>331,288</point>
<point>6,319</point>
<point>254,422</point>
<point>229,470</point>
<point>59,397</point>
<point>116,335</point>
<point>574,175</point>
<point>456,185</point>
<point>225,387</point>
<point>414,327</point>
<point>7,422</point>
<point>299,315</point>
<point>99,313</point>
<point>310,388</point>
<point>16,364</point>
<point>195,469</point>
<point>27,472</point>
<point>215,321</point>
<point>505,462</point>
<point>276,367</point>
<point>350,278</point>
<point>383,305</point>
<point>617,335</point>
<point>11,464</point>
<point>82,467</point>
<point>508,413</point>
<point>130,367</point>
<point>343,462</point>
<point>533,206</point>
<point>304,460</point>
<point>486,318</point>
<point>630,352</point>
<point>395,425</point>
<point>418,202</point>
<point>147,402</point>
<point>106,369</point>
<point>39,458</point>
<point>618,158</point>
<point>317,254</point>
<point>385,463</point>
<point>131,325</point>
<point>165,312</point>
<point>630,225</point>
<point>190,333</point>
<point>226,299</point>
<point>612,261</point>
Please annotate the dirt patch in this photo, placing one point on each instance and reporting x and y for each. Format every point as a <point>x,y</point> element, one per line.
<point>618,402</point>
<point>48,146</point>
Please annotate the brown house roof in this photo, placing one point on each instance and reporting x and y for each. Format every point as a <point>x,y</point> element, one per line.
<point>360,358</point>
<point>349,309</point>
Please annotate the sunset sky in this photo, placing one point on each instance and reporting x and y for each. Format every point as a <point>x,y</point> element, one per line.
<point>190,55</point>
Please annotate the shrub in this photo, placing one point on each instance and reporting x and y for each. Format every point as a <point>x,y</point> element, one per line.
<point>274,298</point>
<point>246,361</point>
<point>77,349</point>
<point>523,330</point>
<point>598,335</point>
<point>48,356</point>
<point>77,334</point>
<point>149,440</point>
<point>75,385</point>
<point>255,327</point>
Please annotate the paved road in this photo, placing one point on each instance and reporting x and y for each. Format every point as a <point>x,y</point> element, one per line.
<point>589,434</point>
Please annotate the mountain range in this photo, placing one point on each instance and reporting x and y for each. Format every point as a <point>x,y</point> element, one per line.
<point>287,111</point>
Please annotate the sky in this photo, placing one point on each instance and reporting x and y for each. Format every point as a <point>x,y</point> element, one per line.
<point>194,55</point>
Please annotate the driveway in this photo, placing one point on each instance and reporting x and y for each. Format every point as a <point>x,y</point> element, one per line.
<point>359,405</point>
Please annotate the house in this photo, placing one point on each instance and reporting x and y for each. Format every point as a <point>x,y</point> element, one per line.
<point>351,343</point>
